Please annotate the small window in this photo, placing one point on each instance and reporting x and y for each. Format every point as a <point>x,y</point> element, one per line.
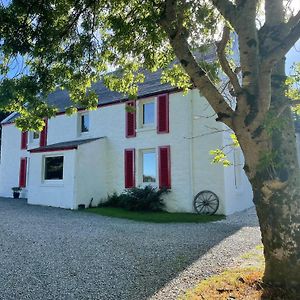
<point>36,135</point>
<point>84,123</point>
<point>148,113</point>
<point>149,166</point>
<point>54,167</point>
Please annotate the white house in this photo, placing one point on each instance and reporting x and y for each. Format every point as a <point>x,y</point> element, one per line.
<point>164,142</point>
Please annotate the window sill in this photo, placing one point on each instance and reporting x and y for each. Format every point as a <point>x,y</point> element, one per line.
<point>84,134</point>
<point>144,184</point>
<point>52,183</point>
<point>142,129</point>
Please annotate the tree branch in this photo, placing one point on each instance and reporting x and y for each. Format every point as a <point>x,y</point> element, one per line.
<point>248,43</point>
<point>274,12</point>
<point>295,102</point>
<point>178,36</point>
<point>287,43</point>
<point>227,9</point>
<point>221,46</point>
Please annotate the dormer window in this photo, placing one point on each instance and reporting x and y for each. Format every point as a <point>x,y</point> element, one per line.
<point>84,123</point>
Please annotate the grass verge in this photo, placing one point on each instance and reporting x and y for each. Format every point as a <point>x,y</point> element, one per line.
<point>153,217</point>
<point>243,282</point>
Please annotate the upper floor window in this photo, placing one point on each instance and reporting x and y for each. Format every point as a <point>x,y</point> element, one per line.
<point>148,113</point>
<point>84,123</point>
<point>53,168</point>
<point>35,135</point>
<point>146,117</point>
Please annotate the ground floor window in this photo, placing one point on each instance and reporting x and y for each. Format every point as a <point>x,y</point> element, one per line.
<point>149,166</point>
<point>54,167</point>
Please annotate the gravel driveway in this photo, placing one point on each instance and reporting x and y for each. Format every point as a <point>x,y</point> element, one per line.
<point>50,253</point>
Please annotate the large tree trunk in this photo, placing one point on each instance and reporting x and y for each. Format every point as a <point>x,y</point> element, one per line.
<point>278,213</point>
<point>276,186</point>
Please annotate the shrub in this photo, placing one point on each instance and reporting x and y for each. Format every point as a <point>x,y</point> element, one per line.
<point>112,201</point>
<point>138,199</point>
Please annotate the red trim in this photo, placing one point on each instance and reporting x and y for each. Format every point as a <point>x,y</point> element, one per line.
<point>23,171</point>
<point>24,140</point>
<point>163,113</point>
<point>129,168</point>
<point>130,120</point>
<point>164,166</point>
<point>6,124</point>
<point>40,150</point>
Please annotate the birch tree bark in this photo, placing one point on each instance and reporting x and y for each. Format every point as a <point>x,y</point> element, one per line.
<point>262,121</point>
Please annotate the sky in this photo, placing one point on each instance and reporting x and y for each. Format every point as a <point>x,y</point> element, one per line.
<point>294,54</point>
<point>292,57</point>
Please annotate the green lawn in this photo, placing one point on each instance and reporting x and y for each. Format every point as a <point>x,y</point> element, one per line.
<point>153,217</point>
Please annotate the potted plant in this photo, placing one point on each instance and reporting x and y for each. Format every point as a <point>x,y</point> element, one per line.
<point>16,192</point>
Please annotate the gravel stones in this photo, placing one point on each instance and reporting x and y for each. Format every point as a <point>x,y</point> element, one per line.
<point>50,253</point>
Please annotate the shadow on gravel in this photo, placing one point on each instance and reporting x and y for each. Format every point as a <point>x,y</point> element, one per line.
<point>50,253</point>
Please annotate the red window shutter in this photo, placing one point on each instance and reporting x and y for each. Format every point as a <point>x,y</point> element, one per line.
<point>164,165</point>
<point>130,119</point>
<point>129,165</point>
<point>163,113</point>
<point>24,139</point>
<point>43,135</point>
<point>23,170</point>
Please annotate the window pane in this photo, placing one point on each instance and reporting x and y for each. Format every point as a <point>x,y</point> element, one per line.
<point>36,135</point>
<point>54,167</point>
<point>85,123</point>
<point>148,113</point>
<point>149,167</point>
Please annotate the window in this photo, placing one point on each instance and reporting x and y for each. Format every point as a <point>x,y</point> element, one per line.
<point>148,113</point>
<point>35,135</point>
<point>54,167</point>
<point>149,166</point>
<point>84,123</point>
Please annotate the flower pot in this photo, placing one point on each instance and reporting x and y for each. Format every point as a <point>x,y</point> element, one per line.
<point>16,195</point>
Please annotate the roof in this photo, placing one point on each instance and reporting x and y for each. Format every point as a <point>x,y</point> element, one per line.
<point>70,145</point>
<point>151,86</point>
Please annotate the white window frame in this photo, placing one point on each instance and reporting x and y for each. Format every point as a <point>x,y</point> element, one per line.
<point>33,140</point>
<point>141,126</point>
<point>80,115</point>
<point>141,166</point>
<point>52,181</point>
<point>36,138</point>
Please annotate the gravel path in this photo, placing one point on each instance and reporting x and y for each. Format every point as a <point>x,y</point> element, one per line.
<point>48,253</point>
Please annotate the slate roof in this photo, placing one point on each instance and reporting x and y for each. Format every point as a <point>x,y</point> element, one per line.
<point>63,146</point>
<point>151,86</point>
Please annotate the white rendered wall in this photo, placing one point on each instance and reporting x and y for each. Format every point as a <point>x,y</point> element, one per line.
<point>238,191</point>
<point>207,135</point>
<point>192,122</point>
<point>11,154</point>
<point>90,170</point>
<point>52,193</point>
<point>114,118</point>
